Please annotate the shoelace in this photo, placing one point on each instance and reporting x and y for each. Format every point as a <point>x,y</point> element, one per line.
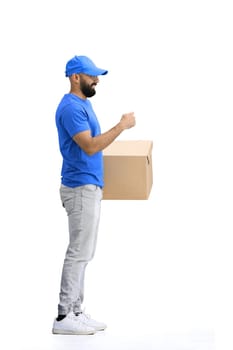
<point>80,319</point>
<point>84,316</point>
<point>83,313</point>
<point>73,317</point>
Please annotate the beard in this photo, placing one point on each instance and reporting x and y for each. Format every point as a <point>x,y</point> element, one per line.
<point>87,90</point>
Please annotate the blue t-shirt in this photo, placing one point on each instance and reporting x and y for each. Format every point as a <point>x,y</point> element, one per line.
<point>75,115</point>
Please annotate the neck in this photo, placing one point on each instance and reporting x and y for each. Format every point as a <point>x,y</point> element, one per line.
<point>77,93</point>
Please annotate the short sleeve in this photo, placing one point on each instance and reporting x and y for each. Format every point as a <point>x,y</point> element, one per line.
<point>75,120</point>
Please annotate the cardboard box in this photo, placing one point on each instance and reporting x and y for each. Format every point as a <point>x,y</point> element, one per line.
<point>128,172</point>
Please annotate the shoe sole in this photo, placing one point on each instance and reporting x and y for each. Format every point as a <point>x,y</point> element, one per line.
<point>66,332</point>
<point>100,329</point>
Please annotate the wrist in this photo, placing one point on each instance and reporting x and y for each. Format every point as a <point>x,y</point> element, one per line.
<point>120,126</point>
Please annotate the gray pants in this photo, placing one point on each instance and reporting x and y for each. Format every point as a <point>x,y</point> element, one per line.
<point>82,205</point>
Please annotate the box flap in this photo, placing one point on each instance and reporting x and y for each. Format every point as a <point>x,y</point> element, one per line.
<point>129,148</point>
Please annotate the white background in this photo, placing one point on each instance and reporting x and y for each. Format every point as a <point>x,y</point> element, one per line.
<point>162,265</point>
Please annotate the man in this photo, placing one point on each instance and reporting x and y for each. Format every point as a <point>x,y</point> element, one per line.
<point>81,143</point>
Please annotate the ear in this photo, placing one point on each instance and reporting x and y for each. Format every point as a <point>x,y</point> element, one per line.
<point>75,78</point>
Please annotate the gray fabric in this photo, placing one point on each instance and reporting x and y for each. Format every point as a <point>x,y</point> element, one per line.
<point>82,205</point>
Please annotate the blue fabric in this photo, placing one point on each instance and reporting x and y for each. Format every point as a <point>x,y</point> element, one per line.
<point>83,64</point>
<point>75,115</point>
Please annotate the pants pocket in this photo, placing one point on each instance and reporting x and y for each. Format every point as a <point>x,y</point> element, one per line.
<point>67,198</point>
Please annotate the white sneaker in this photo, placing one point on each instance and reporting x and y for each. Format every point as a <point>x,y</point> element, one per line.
<point>72,324</point>
<point>86,319</point>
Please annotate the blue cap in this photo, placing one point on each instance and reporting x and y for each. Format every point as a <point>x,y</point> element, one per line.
<point>83,64</point>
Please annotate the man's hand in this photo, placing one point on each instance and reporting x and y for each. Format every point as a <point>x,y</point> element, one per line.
<point>128,120</point>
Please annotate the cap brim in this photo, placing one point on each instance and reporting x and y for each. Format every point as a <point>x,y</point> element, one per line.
<point>95,71</point>
<point>90,71</point>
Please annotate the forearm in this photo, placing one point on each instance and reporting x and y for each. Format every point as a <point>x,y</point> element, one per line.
<point>100,142</point>
<point>92,145</point>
